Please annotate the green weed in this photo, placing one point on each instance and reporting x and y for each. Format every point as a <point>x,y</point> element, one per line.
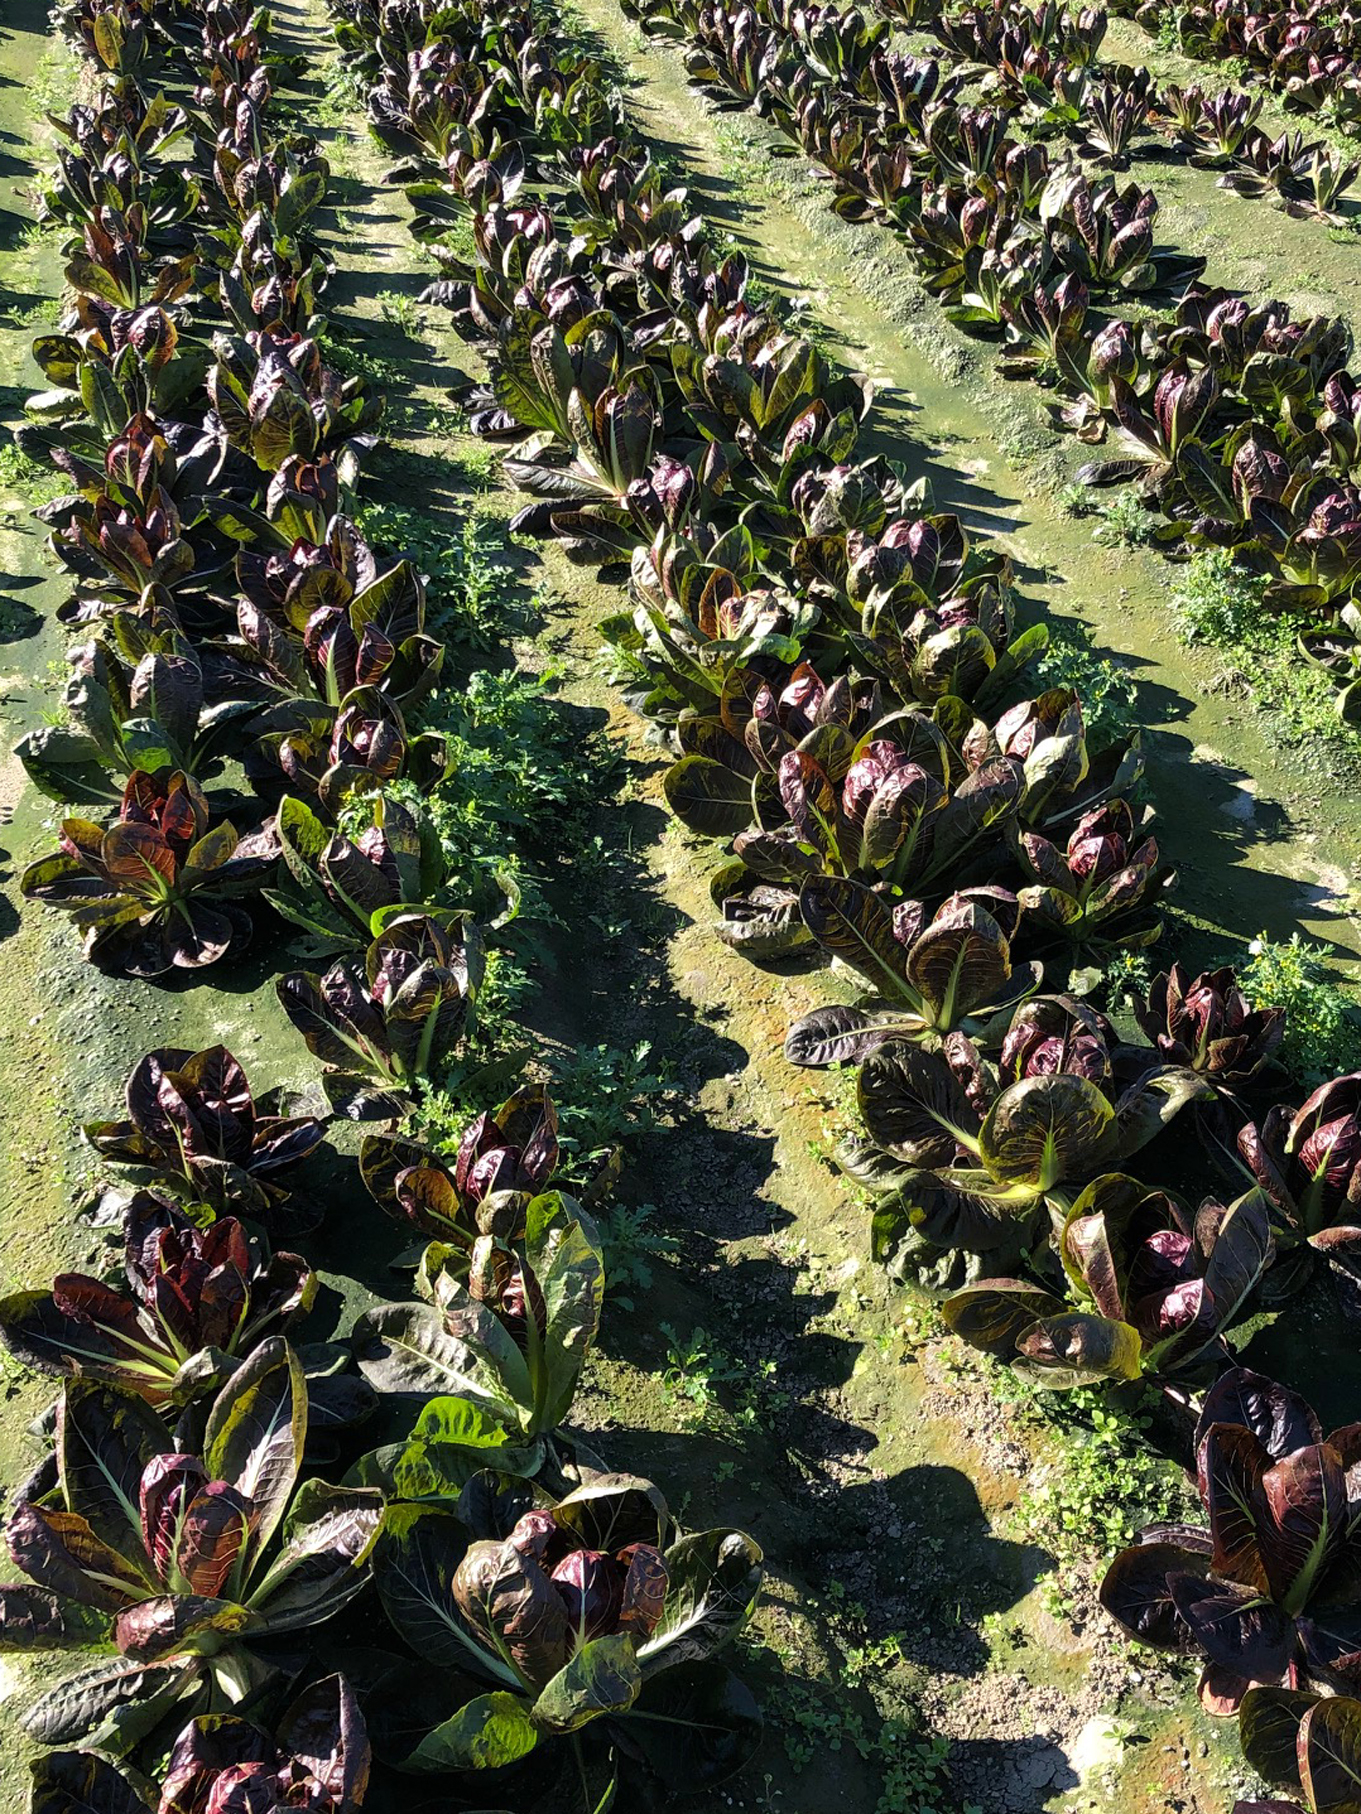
<point>342,101</point>
<point>45,312</point>
<point>633,1250</point>
<point>860,1705</point>
<point>1219,603</point>
<point>1321,1034</point>
<point>606,1099</point>
<point>740,162</point>
<point>472,591</point>
<point>1108,693</point>
<point>34,481</point>
<point>1125,981</point>
<point>56,78</point>
<point>834,1092</point>
<point>403,311</point>
<point>1077,501</point>
<point>356,361</point>
<point>1105,1482</point>
<point>522,784</point>
<point>513,807</point>
<point>523,779</point>
<point>1125,523</point>
<point>1216,601</point>
<point>695,1369</point>
<point>715,1390</point>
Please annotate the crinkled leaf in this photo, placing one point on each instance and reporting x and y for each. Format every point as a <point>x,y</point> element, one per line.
<point>413,1567</point>
<point>105,1438</point>
<point>854,924</point>
<point>1237,1629</point>
<point>714,1578</point>
<point>256,1431</point>
<point>1283,1420</point>
<point>709,797</point>
<point>489,1733</point>
<point>1078,1348</point>
<point>1268,1728</point>
<point>993,1313</point>
<point>407,1348</point>
<point>602,1677</point>
<point>1329,1755</point>
<point>77,1782</point>
<point>1044,1129</point>
<point>1137,1595</point>
<point>913,1105</point>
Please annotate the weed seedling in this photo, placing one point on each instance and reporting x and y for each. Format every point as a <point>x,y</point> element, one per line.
<point>1077,501</point>
<point>1125,523</point>
<point>1218,603</point>
<point>1322,1038</point>
<point>1109,695</point>
<point>402,311</point>
<point>631,1250</point>
<point>695,1368</point>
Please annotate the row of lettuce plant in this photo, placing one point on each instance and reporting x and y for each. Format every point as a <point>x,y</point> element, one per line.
<point>1043,68</point>
<point>1235,421</point>
<point>550,1632</point>
<point>1309,55</point>
<point>820,652</point>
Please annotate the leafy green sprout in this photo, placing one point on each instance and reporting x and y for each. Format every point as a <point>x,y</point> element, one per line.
<point>695,1369</point>
<point>1125,523</point>
<point>474,594</point>
<point>633,1250</point>
<point>1126,980</point>
<point>606,1098</point>
<point>1219,604</point>
<point>1217,601</point>
<point>1108,692</point>
<point>814,1716</point>
<point>33,481</point>
<point>1077,501</point>
<point>1102,1483</point>
<point>402,311</point>
<point>1322,1038</point>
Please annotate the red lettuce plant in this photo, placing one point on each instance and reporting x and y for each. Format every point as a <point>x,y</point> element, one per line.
<point>505,1157</point>
<point>593,1609</point>
<point>1308,1161</point>
<point>968,1154</point>
<point>925,977</point>
<point>1304,1742</point>
<point>1208,1023</point>
<point>193,1121</point>
<point>181,1562</point>
<point>385,1026</point>
<point>1152,1290</point>
<point>498,1346</point>
<point>151,892</point>
<point>196,1301</point>
<point>317,1759</point>
<point>1103,889</point>
<point>1271,1591</point>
